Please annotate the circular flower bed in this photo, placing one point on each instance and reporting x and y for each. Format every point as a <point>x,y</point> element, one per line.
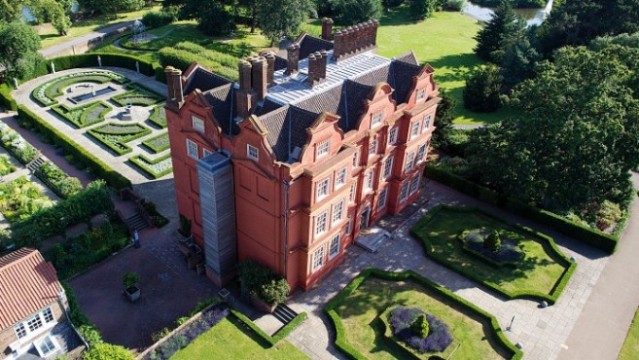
<point>407,325</point>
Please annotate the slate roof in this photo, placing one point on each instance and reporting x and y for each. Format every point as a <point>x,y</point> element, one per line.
<point>287,129</point>
<point>204,80</point>
<point>310,44</point>
<point>221,100</point>
<point>28,283</point>
<point>409,58</point>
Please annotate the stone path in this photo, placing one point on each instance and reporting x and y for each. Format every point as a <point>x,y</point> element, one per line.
<point>541,331</point>
<point>78,45</point>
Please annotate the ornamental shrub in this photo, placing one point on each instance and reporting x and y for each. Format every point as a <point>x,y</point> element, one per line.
<point>420,326</point>
<point>402,320</point>
<point>492,242</point>
<point>106,351</point>
<point>260,281</point>
<point>154,19</point>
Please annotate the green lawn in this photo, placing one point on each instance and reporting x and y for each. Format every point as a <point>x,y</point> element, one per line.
<point>360,312</point>
<point>630,349</point>
<point>231,340</point>
<point>538,273</point>
<point>50,37</point>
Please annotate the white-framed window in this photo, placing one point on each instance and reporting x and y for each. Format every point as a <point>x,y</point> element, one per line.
<point>321,224</point>
<point>368,179</point>
<point>382,199</point>
<point>372,147</point>
<point>340,178</point>
<point>338,211</point>
<point>414,129</point>
<point>323,148</point>
<point>333,247</point>
<point>322,188</point>
<point>414,184</point>
<point>21,331</point>
<point>34,323</point>
<point>421,94</point>
<point>388,167</point>
<point>353,192</point>
<point>198,124</point>
<point>318,258</point>
<point>427,120</point>
<point>421,152</point>
<point>403,193</point>
<point>191,149</point>
<point>206,152</point>
<point>356,159</point>
<point>392,136</point>
<point>46,346</point>
<point>252,152</point>
<point>410,161</point>
<point>48,315</point>
<point>376,119</point>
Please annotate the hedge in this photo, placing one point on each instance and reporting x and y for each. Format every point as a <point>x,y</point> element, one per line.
<point>108,59</point>
<point>340,297</point>
<point>557,289</point>
<point>84,157</point>
<point>6,99</point>
<point>585,234</point>
<point>279,335</point>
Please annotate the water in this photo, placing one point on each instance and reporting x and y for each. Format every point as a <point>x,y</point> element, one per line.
<point>532,16</point>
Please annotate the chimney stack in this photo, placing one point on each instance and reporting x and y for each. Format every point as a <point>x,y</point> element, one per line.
<point>374,33</point>
<point>270,62</point>
<point>355,39</point>
<point>327,28</point>
<point>322,67</point>
<point>244,98</point>
<point>338,45</point>
<point>259,74</point>
<point>312,69</point>
<point>244,68</point>
<point>293,59</point>
<point>175,93</point>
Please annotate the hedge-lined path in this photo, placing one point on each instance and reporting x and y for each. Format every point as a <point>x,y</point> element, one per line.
<point>602,326</point>
<point>79,44</point>
<point>119,163</point>
<point>541,331</point>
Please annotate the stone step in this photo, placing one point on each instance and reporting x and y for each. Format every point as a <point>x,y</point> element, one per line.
<point>136,222</point>
<point>284,313</point>
<point>372,239</point>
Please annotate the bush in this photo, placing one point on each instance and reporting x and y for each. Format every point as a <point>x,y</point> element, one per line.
<point>453,5</point>
<point>154,19</point>
<point>422,9</point>
<point>492,242</point>
<point>482,91</point>
<point>420,326</point>
<point>421,331</point>
<point>214,20</point>
<point>57,180</point>
<point>350,12</point>
<point>6,99</point>
<point>260,281</point>
<point>106,351</point>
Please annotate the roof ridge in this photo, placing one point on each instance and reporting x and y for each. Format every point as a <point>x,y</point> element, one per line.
<point>16,256</point>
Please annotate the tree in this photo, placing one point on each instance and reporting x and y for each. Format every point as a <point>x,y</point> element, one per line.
<point>518,59</point>
<point>110,8</point>
<point>58,17</point>
<point>503,25</point>
<point>350,12</point>
<point>9,10</point>
<point>483,89</point>
<point>280,18</point>
<point>213,19</point>
<point>444,120</point>
<point>19,44</point>
<point>422,9</point>
<point>576,139</point>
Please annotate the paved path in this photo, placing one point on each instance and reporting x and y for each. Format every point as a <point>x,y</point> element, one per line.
<point>540,331</point>
<point>78,44</point>
<point>602,326</point>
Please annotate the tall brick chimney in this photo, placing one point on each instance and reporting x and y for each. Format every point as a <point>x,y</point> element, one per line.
<point>293,59</point>
<point>175,93</point>
<point>313,71</point>
<point>322,71</point>
<point>244,98</point>
<point>270,70</point>
<point>244,68</point>
<point>259,75</point>
<point>327,29</point>
<point>374,34</point>
<point>338,45</point>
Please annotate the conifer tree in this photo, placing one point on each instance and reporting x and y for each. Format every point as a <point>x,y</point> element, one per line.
<point>503,25</point>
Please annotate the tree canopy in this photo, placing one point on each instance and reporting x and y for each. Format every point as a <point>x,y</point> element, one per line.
<point>503,25</point>
<point>279,18</point>
<point>19,44</point>
<point>350,12</point>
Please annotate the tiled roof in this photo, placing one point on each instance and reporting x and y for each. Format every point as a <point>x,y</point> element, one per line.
<point>28,283</point>
<point>204,80</point>
<point>221,100</point>
<point>310,44</point>
<point>409,58</point>
<point>287,129</point>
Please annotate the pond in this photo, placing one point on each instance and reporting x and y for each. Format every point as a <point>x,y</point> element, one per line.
<point>532,16</point>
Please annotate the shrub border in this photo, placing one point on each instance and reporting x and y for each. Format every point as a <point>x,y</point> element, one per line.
<point>97,166</point>
<point>279,335</point>
<point>156,150</point>
<point>598,239</point>
<point>137,161</point>
<point>6,99</point>
<point>153,118</point>
<point>546,240</point>
<point>340,297</point>
<point>119,151</point>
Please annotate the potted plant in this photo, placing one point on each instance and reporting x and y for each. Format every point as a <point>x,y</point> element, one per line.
<point>131,290</point>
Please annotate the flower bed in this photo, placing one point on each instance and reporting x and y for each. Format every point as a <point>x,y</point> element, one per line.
<point>156,168</point>
<point>402,321</point>
<point>21,198</point>
<point>46,93</point>
<point>115,136</point>
<point>473,241</point>
<point>137,95</point>
<point>158,116</point>
<point>6,167</point>
<point>85,115</point>
<point>57,180</point>
<point>157,143</point>
<point>16,145</point>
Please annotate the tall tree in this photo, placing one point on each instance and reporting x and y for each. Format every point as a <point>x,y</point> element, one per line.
<point>10,9</point>
<point>504,24</point>
<point>517,59</point>
<point>213,19</point>
<point>578,135</point>
<point>279,18</point>
<point>422,9</point>
<point>483,90</point>
<point>19,44</point>
<point>350,12</point>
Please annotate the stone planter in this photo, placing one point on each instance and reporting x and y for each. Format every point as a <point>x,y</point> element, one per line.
<point>132,293</point>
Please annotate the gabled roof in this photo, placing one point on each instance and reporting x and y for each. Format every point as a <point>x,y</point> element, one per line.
<point>28,283</point>
<point>286,128</point>
<point>203,79</point>
<point>221,100</point>
<point>310,44</point>
<point>409,58</point>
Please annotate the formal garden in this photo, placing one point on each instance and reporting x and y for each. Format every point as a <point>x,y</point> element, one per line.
<point>386,315</point>
<point>120,116</point>
<point>515,261</point>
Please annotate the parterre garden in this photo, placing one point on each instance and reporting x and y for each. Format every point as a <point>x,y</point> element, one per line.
<point>66,94</point>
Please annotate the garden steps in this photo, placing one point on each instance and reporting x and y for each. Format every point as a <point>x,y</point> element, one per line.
<point>284,313</point>
<point>35,164</point>
<point>136,222</point>
<point>372,239</point>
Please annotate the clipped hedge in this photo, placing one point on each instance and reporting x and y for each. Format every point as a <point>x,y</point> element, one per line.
<point>6,99</point>
<point>108,59</point>
<point>84,111</point>
<point>155,168</point>
<point>116,139</point>
<point>279,335</point>
<point>340,297</point>
<point>82,156</point>
<point>547,242</point>
<point>585,234</point>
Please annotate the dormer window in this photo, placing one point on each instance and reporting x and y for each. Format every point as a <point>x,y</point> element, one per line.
<point>252,152</point>
<point>377,119</point>
<point>421,94</point>
<point>198,124</point>
<point>323,148</point>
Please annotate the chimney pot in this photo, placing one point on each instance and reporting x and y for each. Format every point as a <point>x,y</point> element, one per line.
<point>270,62</point>
<point>324,59</point>
<point>293,59</point>
<point>259,76</point>
<point>327,28</point>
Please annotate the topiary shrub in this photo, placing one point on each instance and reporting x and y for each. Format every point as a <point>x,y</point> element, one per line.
<point>492,242</point>
<point>420,326</point>
<point>407,327</point>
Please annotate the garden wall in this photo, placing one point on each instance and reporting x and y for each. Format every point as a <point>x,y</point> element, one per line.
<point>596,238</point>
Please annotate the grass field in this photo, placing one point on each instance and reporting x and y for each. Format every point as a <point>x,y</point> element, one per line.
<point>230,340</point>
<point>538,272</point>
<point>630,349</point>
<point>49,36</point>
<point>360,311</point>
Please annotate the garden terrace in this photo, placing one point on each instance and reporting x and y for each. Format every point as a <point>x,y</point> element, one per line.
<point>115,136</point>
<point>542,273</point>
<point>156,168</point>
<point>47,93</point>
<point>85,115</point>
<point>358,315</point>
<point>137,95</point>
